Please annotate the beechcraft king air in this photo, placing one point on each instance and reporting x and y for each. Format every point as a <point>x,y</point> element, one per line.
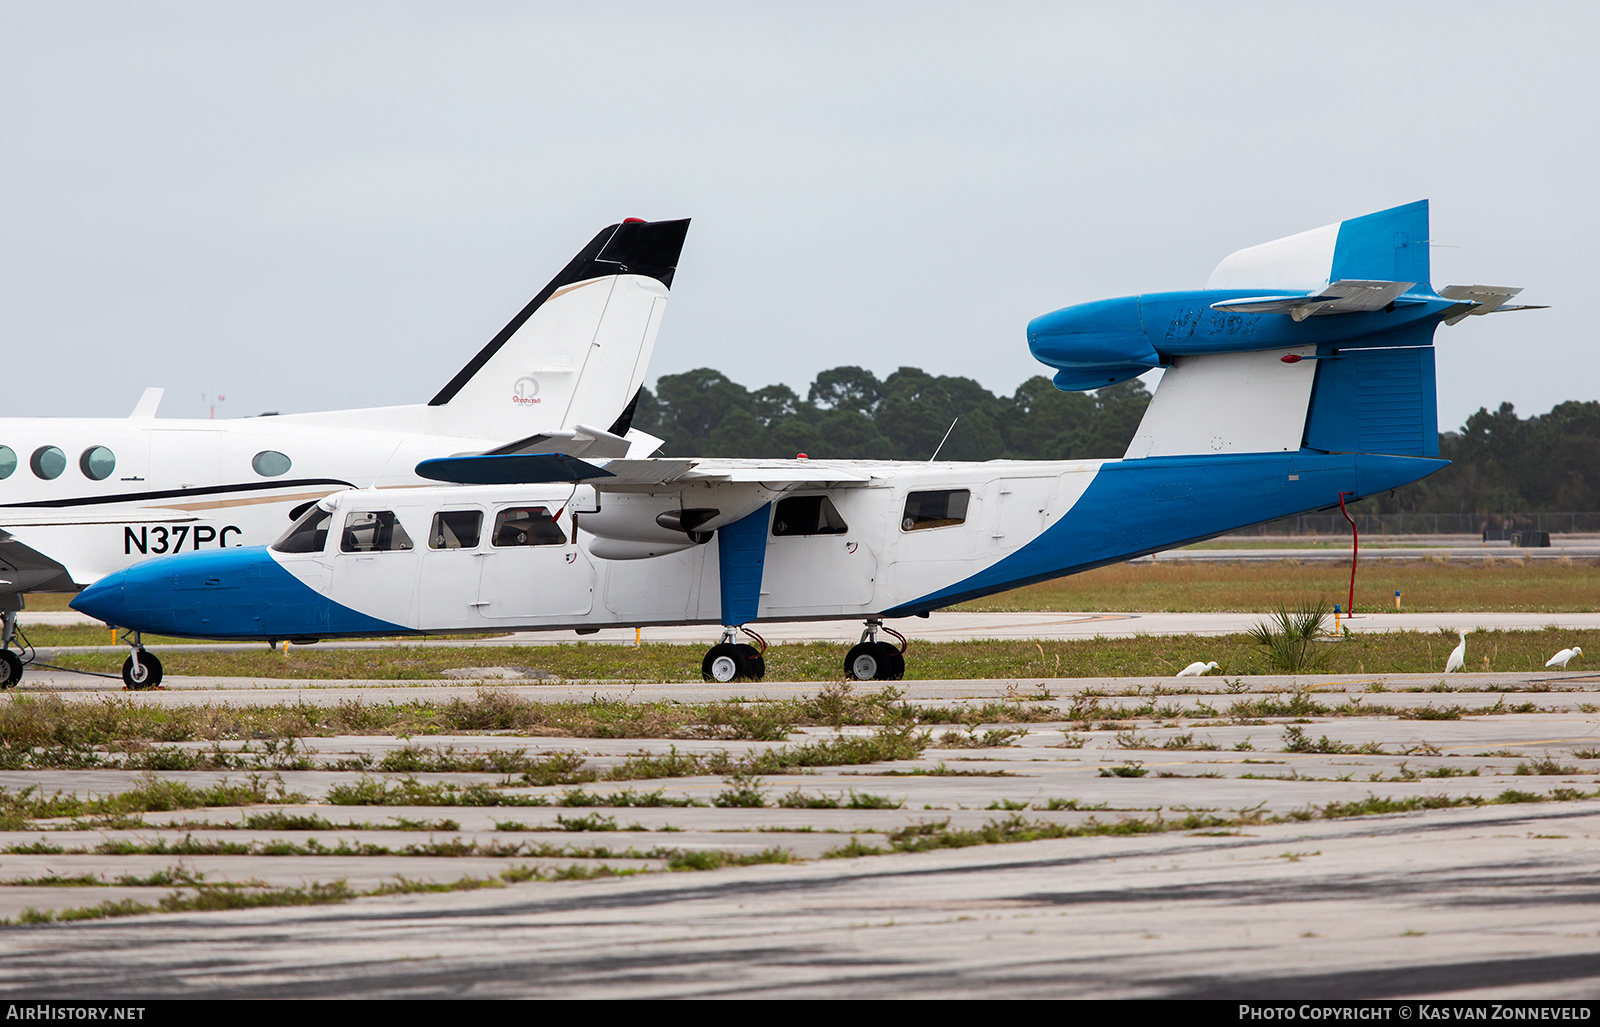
<point>83,497</point>
<point>1302,375</point>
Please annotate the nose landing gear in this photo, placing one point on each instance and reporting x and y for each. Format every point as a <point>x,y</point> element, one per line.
<point>141,670</point>
<point>735,661</point>
<point>872,660</point>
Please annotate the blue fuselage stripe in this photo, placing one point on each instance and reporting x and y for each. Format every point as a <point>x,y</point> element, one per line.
<point>1134,507</point>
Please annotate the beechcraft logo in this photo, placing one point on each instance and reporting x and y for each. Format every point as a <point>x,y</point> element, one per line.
<point>525,392</point>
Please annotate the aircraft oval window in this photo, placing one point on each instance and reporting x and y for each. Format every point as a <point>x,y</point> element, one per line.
<point>527,526</point>
<point>935,509</point>
<point>807,515</point>
<point>8,461</point>
<point>48,462</point>
<point>97,463</point>
<point>270,463</point>
<point>308,534</point>
<point>373,531</point>
<point>455,529</point>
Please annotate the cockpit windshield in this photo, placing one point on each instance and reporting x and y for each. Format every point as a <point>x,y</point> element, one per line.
<point>309,534</point>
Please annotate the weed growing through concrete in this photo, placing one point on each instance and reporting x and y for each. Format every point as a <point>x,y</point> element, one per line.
<point>743,791</point>
<point>1546,764</point>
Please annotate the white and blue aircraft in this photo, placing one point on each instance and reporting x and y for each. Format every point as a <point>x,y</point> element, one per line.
<point>1303,375</point>
<point>83,497</point>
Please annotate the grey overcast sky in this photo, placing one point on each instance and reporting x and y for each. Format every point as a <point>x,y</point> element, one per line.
<point>309,206</point>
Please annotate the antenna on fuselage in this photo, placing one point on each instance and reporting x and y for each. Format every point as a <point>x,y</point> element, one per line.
<point>942,441</point>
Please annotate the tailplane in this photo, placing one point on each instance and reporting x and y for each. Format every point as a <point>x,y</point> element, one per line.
<point>1320,341</point>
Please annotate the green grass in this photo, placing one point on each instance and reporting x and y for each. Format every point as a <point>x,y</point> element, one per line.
<point>1155,656</point>
<point>1497,582</point>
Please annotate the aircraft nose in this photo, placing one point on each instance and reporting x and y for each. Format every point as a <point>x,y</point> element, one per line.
<point>103,600</point>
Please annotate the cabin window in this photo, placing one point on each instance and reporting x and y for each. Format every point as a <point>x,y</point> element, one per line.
<point>807,515</point>
<point>8,461</point>
<point>935,509</point>
<point>373,531</point>
<point>527,526</point>
<point>97,463</point>
<point>48,462</point>
<point>308,534</point>
<point>270,463</point>
<point>455,529</point>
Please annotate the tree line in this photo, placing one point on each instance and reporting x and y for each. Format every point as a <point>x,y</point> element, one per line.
<point>848,413</point>
<point>1501,463</point>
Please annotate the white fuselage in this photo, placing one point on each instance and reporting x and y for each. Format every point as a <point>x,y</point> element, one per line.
<point>864,561</point>
<point>178,485</point>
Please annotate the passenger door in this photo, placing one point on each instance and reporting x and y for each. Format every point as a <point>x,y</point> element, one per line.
<point>452,570</point>
<point>532,569</point>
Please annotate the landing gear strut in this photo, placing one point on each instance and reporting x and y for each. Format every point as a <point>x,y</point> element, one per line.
<point>10,662</point>
<point>735,661</point>
<point>872,660</point>
<point>141,670</point>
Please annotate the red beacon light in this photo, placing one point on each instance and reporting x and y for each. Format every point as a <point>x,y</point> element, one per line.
<point>801,456</point>
<point>633,221</point>
<point>1291,358</point>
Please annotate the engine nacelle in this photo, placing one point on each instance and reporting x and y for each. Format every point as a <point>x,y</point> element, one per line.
<point>615,549</point>
<point>639,525</point>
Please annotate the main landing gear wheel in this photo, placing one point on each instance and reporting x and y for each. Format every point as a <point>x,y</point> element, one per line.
<point>874,661</point>
<point>10,669</point>
<point>141,670</point>
<point>728,661</point>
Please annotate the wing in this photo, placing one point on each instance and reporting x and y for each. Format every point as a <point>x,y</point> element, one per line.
<point>30,533</point>
<point>630,475</point>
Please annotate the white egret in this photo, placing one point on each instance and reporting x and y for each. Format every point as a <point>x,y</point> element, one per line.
<point>1561,659</point>
<point>1197,669</point>
<point>1458,655</point>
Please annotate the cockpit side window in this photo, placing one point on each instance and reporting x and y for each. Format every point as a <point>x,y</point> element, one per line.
<point>373,531</point>
<point>935,509</point>
<point>308,534</point>
<point>527,526</point>
<point>455,529</point>
<point>807,515</point>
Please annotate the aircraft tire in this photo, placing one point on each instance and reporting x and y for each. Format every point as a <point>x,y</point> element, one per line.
<point>727,662</point>
<point>758,663</point>
<point>894,662</point>
<point>148,674</point>
<point>10,669</point>
<point>874,661</point>
<point>865,662</point>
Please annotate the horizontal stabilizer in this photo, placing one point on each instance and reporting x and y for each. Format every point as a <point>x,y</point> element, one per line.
<point>584,440</point>
<point>510,469</point>
<point>1347,296</point>
<point>1484,299</point>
